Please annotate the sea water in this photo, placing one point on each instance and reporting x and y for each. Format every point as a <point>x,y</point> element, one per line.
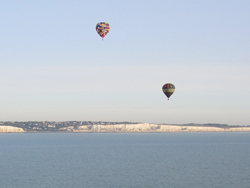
<point>133,160</point>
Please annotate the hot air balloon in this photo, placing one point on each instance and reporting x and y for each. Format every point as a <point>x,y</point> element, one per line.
<point>102,29</point>
<point>168,89</point>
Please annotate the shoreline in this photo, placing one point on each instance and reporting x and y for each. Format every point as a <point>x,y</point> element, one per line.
<point>127,128</point>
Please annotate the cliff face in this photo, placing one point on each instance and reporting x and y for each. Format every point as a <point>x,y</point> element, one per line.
<point>10,129</point>
<point>143,127</point>
<point>146,127</point>
<point>172,128</point>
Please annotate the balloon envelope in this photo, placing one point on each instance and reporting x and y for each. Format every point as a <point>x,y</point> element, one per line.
<point>168,89</point>
<point>102,28</point>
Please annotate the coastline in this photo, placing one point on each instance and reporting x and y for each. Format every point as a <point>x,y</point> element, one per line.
<point>128,128</point>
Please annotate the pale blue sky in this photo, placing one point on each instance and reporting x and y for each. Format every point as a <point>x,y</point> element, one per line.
<point>54,66</point>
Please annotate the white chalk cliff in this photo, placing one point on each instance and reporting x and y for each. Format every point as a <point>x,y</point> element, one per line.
<point>10,129</point>
<point>146,127</point>
<point>140,127</point>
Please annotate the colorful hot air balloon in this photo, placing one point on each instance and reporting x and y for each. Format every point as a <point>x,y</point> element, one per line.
<point>168,89</point>
<point>102,29</point>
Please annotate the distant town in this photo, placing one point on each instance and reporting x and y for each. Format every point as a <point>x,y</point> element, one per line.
<point>99,126</point>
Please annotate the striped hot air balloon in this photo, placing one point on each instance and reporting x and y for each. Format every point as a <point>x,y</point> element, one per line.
<point>168,89</point>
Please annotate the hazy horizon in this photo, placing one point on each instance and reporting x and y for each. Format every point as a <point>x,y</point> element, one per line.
<point>190,123</point>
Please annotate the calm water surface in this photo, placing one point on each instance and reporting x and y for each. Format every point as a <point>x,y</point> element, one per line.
<point>110,160</point>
